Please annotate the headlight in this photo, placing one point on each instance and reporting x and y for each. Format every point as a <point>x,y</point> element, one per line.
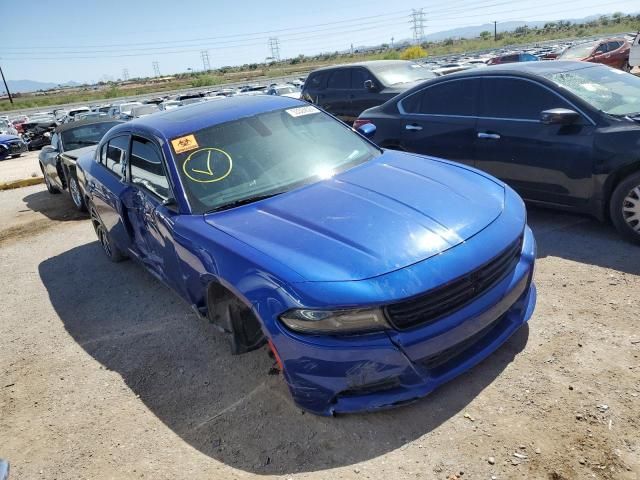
<point>335,322</point>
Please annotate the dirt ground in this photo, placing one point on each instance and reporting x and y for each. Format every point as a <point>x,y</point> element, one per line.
<point>105,373</point>
<point>25,166</point>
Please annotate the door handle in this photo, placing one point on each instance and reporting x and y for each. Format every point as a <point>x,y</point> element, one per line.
<point>491,136</point>
<point>413,127</point>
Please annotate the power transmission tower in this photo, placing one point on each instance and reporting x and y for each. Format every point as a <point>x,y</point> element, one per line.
<point>274,46</point>
<point>156,69</point>
<point>206,66</point>
<point>125,74</point>
<point>417,20</point>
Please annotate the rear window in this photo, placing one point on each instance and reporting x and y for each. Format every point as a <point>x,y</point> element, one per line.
<point>447,98</point>
<point>340,79</point>
<point>317,80</point>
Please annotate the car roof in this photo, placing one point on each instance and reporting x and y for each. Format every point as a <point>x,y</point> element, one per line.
<point>371,63</point>
<point>527,68</point>
<point>90,121</point>
<point>191,118</point>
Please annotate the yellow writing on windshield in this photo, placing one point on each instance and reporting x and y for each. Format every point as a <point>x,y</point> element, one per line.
<point>207,165</point>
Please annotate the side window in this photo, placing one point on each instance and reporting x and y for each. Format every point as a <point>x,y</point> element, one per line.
<point>446,98</point>
<point>146,168</point>
<point>116,151</point>
<point>318,80</point>
<point>340,79</point>
<point>358,77</point>
<point>613,46</point>
<point>601,49</point>
<point>498,94</point>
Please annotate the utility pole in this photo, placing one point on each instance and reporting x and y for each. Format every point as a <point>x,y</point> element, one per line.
<point>6,87</point>
<point>274,46</point>
<point>156,69</point>
<point>495,31</point>
<point>125,74</point>
<point>206,66</point>
<point>417,20</point>
<point>392,39</point>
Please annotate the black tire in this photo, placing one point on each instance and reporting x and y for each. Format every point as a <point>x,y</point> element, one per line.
<point>52,189</point>
<point>627,67</point>
<point>624,208</point>
<point>109,248</point>
<point>16,155</point>
<point>74,191</point>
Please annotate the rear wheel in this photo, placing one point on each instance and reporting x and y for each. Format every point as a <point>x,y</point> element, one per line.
<point>624,207</point>
<point>75,193</point>
<point>626,67</point>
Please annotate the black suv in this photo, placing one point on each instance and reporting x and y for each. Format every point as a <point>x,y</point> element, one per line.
<point>563,134</point>
<point>346,90</point>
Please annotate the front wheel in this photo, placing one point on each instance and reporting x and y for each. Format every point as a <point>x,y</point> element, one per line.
<point>624,208</point>
<point>109,248</point>
<point>51,188</point>
<point>75,193</point>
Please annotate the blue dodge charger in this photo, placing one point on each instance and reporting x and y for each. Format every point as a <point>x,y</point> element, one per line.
<point>373,275</point>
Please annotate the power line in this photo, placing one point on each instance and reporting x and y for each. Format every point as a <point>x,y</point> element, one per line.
<point>417,20</point>
<point>274,46</point>
<point>156,69</point>
<point>206,66</point>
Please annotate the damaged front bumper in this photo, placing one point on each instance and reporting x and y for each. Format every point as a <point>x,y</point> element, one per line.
<point>329,375</point>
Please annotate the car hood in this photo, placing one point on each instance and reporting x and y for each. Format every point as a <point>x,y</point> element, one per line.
<point>75,154</point>
<point>378,217</point>
<point>8,137</point>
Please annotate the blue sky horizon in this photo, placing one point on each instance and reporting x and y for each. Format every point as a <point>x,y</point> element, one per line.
<point>96,41</point>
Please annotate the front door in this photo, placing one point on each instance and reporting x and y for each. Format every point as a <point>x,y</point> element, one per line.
<point>440,120</point>
<point>150,221</point>
<point>546,163</point>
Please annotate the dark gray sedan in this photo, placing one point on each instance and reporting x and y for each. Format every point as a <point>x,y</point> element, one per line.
<point>68,142</point>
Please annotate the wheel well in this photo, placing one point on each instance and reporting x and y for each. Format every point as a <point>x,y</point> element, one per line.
<point>232,315</point>
<point>614,180</point>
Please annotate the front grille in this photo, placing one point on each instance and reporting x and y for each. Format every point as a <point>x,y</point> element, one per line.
<point>459,349</point>
<point>442,301</point>
<point>16,147</point>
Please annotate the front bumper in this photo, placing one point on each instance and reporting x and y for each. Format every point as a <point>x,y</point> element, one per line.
<point>14,147</point>
<point>388,369</point>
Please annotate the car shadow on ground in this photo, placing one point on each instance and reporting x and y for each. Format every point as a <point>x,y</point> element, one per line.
<point>228,407</point>
<point>582,239</point>
<point>55,207</point>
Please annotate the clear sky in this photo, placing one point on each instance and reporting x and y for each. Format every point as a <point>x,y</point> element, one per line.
<point>89,40</point>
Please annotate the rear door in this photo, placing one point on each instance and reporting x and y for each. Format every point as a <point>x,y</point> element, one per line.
<point>107,189</point>
<point>336,99</point>
<point>546,163</point>
<point>439,120</point>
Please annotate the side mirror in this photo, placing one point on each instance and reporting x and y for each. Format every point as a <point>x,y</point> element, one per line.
<point>559,116</point>
<point>369,85</point>
<point>368,130</point>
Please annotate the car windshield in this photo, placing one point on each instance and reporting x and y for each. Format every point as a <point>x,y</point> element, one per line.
<point>266,154</point>
<point>578,52</point>
<point>396,73</point>
<point>607,89</point>
<point>85,135</point>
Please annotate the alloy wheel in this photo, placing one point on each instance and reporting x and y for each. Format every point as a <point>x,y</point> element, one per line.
<point>104,240</point>
<point>75,192</point>
<point>631,208</point>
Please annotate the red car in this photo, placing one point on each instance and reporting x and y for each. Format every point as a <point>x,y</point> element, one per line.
<point>613,52</point>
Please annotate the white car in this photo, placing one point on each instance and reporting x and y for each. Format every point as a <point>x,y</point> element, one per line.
<point>634,53</point>
<point>284,91</point>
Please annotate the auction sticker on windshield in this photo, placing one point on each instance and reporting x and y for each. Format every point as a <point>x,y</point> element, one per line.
<point>184,144</point>
<point>300,111</point>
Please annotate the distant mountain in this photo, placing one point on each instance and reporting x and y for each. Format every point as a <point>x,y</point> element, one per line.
<point>33,86</point>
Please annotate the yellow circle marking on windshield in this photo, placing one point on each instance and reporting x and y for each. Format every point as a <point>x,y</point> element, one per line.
<point>204,171</point>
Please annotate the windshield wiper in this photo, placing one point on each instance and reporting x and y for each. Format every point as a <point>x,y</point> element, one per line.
<point>243,201</point>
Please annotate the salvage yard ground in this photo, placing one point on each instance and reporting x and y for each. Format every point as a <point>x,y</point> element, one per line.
<point>104,373</point>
